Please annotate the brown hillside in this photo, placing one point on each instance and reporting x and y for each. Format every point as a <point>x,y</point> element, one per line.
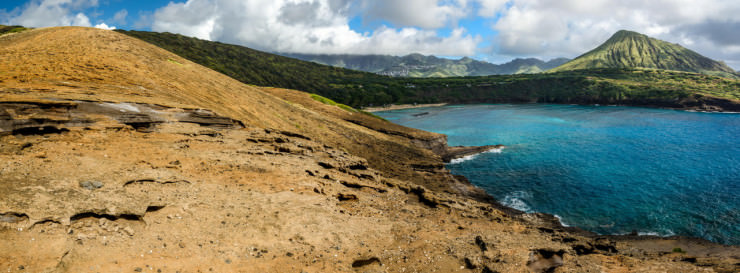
<point>92,65</point>
<point>118,156</point>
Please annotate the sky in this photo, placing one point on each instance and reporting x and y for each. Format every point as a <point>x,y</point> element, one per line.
<point>489,30</point>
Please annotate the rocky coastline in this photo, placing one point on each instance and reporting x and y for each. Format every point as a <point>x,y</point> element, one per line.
<point>456,152</point>
<point>401,106</point>
<point>702,251</point>
<point>703,104</point>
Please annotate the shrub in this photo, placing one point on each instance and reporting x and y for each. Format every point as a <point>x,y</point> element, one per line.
<point>332,103</point>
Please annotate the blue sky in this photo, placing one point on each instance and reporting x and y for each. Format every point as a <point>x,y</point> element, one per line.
<point>491,30</point>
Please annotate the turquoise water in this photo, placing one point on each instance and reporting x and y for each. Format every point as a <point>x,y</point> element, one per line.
<point>610,170</point>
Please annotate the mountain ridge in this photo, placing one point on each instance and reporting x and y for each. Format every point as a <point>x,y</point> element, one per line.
<point>418,65</point>
<point>629,49</point>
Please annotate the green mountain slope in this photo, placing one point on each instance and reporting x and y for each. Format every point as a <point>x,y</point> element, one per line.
<point>613,86</point>
<point>256,67</point>
<point>10,29</point>
<point>417,65</point>
<point>627,49</point>
<point>641,87</point>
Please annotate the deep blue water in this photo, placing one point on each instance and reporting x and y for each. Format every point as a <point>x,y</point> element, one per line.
<point>606,169</point>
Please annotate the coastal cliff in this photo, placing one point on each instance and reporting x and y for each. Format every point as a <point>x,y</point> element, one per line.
<point>117,155</point>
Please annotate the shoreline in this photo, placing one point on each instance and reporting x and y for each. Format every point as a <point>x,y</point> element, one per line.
<point>458,152</point>
<point>551,223</point>
<point>692,109</point>
<point>693,244</point>
<point>401,106</point>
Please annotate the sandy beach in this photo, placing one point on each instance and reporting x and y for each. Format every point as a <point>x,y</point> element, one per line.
<point>401,106</point>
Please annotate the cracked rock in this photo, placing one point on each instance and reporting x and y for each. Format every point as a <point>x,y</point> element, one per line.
<point>91,185</point>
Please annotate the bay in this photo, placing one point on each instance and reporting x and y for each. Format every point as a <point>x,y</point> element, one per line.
<point>607,169</point>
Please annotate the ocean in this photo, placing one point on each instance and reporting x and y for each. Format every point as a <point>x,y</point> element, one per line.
<point>606,169</point>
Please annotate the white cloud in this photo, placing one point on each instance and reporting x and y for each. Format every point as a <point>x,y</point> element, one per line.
<point>524,28</point>
<point>104,26</point>
<point>489,8</point>
<point>193,18</point>
<point>120,17</point>
<point>145,20</point>
<point>428,14</point>
<point>303,26</point>
<point>48,13</point>
<point>80,19</point>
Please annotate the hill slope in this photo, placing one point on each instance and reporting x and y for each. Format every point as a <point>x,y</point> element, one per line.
<point>115,67</point>
<point>417,65</point>
<point>628,49</point>
<point>253,66</point>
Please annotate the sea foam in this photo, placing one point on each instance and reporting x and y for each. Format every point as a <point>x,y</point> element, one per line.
<point>516,200</point>
<point>667,233</point>
<point>560,219</point>
<point>473,156</point>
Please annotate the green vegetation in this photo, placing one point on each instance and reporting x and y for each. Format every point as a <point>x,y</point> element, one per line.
<point>626,86</point>
<point>333,103</point>
<point>627,49</point>
<point>259,68</point>
<point>602,86</point>
<point>678,250</point>
<point>327,101</point>
<point>11,29</point>
<point>174,62</point>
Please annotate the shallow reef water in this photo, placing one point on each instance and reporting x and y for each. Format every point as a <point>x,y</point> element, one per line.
<point>607,169</point>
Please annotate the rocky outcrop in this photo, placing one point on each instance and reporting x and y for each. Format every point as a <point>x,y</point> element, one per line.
<point>437,144</point>
<point>38,117</point>
<point>462,151</point>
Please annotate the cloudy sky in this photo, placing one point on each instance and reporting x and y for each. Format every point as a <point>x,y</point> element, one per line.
<point>491,30</point>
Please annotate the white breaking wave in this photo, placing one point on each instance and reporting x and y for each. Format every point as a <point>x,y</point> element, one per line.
<point>473,156</point>
<point>560,219</point>
<point>712,112</point>
<point>463,159</point>
<point>517,200</point>
<point>667,233</point>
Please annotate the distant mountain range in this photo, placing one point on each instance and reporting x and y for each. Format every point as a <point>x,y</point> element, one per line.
<point>417,65</point>
<point>625,49</point>
<point>628,49</point>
